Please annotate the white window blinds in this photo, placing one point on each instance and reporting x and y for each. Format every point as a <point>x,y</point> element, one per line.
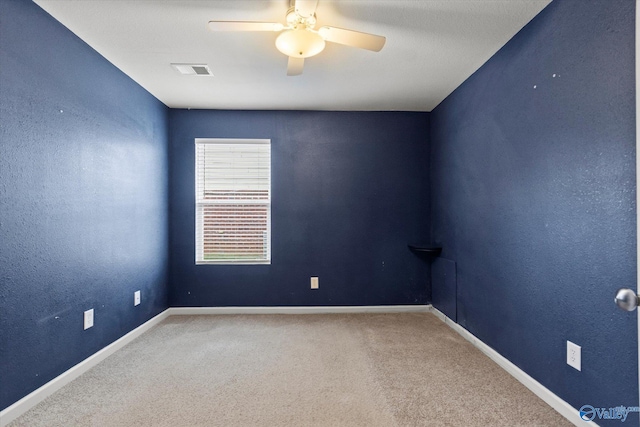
<point>233,201</point>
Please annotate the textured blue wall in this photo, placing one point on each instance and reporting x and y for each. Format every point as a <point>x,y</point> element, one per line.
<point>533,195</point>
<point>349,191</point>
<point>84,200</point>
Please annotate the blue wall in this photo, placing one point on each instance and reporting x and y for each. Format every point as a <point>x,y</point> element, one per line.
<point>533,196</point>
<point>349,191</point>
<point>84,200</point>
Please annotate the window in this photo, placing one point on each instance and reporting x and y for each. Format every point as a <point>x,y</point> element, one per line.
<point>233,201</point>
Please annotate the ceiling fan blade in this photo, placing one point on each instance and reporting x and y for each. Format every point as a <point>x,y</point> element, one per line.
<point>244,26</point>
<point>353,38</point>
<point>306,8</point>
<point>295,66</point>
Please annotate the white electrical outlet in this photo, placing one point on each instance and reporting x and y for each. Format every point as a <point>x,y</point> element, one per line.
<point>314,283</point>
<point>88,319</point>
<point>136,298</point>
<point>574,356</point>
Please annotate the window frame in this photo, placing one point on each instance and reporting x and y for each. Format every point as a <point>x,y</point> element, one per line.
<point>199,202</point>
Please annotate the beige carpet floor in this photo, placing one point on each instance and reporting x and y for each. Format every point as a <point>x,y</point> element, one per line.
<point>406,369</point>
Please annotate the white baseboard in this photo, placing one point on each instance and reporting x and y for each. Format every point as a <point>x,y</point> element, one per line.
<point>194,311</point>
<point>32,399</point>
<point>566,410</point>
<point>23,405</point>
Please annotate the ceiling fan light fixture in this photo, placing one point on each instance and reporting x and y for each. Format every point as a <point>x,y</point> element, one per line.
<point>300,43</point>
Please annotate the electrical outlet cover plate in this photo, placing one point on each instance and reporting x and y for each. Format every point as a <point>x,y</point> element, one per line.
<point>574,356</point>
<point>314,283</point>
<point>136,298</point>
<point>88,319</point>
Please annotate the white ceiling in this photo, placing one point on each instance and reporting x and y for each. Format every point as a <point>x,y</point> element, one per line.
<point>432,47</point>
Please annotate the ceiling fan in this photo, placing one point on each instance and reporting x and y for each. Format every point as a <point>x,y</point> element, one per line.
<point>298,39</point>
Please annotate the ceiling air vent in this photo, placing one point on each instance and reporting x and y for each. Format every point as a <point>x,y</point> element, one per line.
<point>193,69</point>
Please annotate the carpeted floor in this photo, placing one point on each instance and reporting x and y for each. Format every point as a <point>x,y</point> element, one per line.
<point>406,369</point>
